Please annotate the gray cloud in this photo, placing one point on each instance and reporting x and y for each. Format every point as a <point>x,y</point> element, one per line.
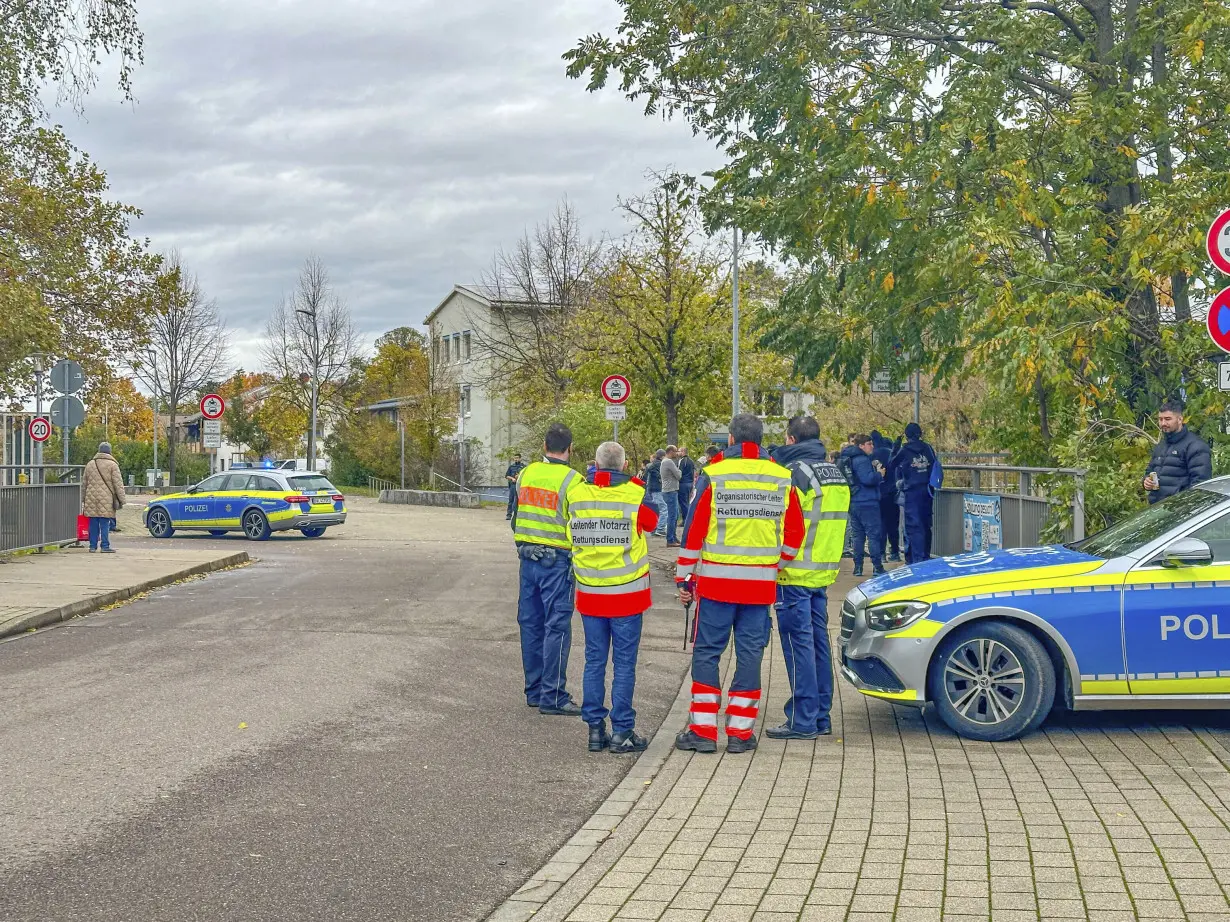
<point>402,142</point>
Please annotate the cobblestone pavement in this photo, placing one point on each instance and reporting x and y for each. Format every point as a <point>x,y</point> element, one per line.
<point>1103,817</point>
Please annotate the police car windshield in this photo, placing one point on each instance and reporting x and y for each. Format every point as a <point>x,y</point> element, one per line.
<point>1133,533</point>
<point>309,483</point>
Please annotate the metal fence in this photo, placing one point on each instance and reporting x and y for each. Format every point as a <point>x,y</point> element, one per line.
<point>39,506</point>
<point>1025,499</point>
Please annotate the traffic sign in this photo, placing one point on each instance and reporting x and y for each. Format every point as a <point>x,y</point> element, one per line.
<point>1223,376</point>
<point>40,429</point>
<point>211,440</point>
<point>212,406</point>
<point>1217,243</point>
<point>882,383</point>
<point>67,377</point>
<point>1219,320</point>
<point>212,427</point>
<point>616,412</point>
<point>67,412</point>
<point>616,389</point>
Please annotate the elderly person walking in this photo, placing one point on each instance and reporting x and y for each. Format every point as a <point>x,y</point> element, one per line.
<point>102,496</point>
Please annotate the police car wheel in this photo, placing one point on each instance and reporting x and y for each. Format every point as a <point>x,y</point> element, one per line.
<point>159,523</point>
<point>255,525</point>
<point>315,532</point>
<point>217,532</point>
<point>992,681</point>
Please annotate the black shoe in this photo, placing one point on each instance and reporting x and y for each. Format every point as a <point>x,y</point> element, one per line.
<point>858,571</point>
<point>567,709</point>
<point>628,742</point>
<point>736,745</point>
<point>786,732</point>
<point>687,739</point>
<point>598,739</point>
<point>894,558</point>
<point>880,572</point>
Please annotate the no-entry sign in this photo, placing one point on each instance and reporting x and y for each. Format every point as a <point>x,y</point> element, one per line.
<point>616,389</point>
<point>40,429</point>
<point>1218,241</point>
<point>212,406</point>
<point>1219,320</point>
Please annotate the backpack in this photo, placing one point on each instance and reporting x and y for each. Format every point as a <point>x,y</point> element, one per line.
<point>847,469</point>
<point>937,473</point>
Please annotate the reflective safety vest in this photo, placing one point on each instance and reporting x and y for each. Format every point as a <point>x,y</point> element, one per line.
<point>610,556</point>
<point>749,498</point>
<point>825,520</point>
<point>542,504</point>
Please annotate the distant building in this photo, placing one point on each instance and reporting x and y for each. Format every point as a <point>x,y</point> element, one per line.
<point>456,327</point>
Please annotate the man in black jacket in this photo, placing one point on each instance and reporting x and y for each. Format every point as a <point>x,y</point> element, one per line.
<point>1181,459</point>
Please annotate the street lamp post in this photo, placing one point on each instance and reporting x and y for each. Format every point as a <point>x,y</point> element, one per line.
<point>734,329</point>
<point>311,445</point>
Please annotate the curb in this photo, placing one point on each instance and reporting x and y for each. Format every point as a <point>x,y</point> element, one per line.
<point>573,854</point>
<point>94,603</point>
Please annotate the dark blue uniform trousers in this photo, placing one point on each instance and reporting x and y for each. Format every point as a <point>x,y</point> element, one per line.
<point>544,614</point>
<point>865,528</point>
<point>890,520</point>
<point>803,622</point>
<point>918,512</point>
<point>617,640</point>
<point>714,623</point>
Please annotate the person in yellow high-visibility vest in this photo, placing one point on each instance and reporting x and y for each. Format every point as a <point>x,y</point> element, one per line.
<point>544,607</point>
<point>608,519</point>
<point>802,583</point>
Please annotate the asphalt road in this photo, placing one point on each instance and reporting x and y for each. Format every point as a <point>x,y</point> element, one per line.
<point>335,732</point>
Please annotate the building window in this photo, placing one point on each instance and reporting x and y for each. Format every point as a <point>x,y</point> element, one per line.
<point>456,347</point>
<point>465,399</point>
<point>465,345</point>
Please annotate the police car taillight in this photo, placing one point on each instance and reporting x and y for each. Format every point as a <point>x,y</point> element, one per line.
<point>298,499</point>
<point>338,498</point>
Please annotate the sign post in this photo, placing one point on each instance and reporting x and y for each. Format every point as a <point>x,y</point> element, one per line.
<point>212,408</point>
<point>616,389</point>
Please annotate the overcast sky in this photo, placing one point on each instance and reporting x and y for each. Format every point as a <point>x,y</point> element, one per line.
<point>402,141</point>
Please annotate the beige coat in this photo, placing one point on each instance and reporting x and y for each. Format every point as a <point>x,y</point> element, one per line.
<point>102,490</point>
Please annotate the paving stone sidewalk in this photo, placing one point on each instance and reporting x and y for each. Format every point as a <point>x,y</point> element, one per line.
<point>1102,817</point>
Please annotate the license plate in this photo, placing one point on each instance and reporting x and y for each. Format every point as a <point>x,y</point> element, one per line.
<point>322,501</point>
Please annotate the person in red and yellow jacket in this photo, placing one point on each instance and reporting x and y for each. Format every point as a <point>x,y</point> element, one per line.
<point>745,520</point>
<point>607,523</point>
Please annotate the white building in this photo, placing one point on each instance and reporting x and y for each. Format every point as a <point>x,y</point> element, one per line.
<point>456,327</point>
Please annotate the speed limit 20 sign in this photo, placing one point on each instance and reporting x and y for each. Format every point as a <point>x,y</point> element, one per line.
<point>40,429</point>
<point>616,389</point>
<point>212,406</point>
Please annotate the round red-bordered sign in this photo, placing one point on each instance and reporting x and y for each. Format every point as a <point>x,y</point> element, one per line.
<point>1217,243</point>
<point>1219,320</point>
<point>616,389</point>
<point>40,429</point>
<point>212,406</point>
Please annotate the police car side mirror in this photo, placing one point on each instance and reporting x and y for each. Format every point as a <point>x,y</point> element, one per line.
<point>1187,552</point>
<point>192,489</point>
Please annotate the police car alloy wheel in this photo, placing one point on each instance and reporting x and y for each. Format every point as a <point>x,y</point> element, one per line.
<point>159,523</point>
<point>992,681</point>
<point>255,525</point>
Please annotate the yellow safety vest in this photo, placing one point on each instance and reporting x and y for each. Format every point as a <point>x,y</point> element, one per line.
<point>816,564</point>
<point>607,548</point>
<point>749,497</point>
<point>542,504</point>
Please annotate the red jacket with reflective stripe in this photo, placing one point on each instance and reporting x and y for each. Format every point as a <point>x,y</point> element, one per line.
<point>751,591</point>
<point>619,605</point>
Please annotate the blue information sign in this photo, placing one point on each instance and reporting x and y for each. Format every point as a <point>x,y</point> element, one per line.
<point>982,524</point>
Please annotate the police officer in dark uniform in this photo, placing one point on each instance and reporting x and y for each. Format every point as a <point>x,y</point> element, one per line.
<point>510,475</point>
<point>911,471</point>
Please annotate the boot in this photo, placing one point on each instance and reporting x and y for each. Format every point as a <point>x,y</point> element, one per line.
<point>687,739</point>
<point>598,739</point>
<point>736,745</point>
<point>628,741</point>
<point>786,732</point>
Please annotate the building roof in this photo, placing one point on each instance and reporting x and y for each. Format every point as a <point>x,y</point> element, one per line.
<point>483,294</point>
<point>393,403</point>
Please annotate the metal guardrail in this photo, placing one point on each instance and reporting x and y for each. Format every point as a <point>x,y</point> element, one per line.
<point>376,484</point>
<point>42,510</point>
<point>1025,503</point>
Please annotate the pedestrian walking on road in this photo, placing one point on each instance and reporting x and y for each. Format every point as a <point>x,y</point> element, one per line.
<point>544,606</point>
<point>671,478</point>
<point>510,475</point>
<point>865,527</point>
<point>1181,458</point>
<point>890,511</point>
<point>912,469</point>
<point>102,496</point>
<point>745,521</point>
<point>687,479</point>
<point>608,519</point>
<point>802,583</point>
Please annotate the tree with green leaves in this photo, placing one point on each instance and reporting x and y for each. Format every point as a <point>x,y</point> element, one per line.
<point>1013,189</point>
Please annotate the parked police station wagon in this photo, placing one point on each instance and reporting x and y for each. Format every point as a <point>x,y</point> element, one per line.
<point>1137,616</point>
<point>256,502</point>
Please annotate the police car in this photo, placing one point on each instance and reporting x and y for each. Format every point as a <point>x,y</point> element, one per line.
<point>257,503</point>
<point>1137,616</point>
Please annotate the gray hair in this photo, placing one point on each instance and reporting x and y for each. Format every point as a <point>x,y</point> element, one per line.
<point>610,456</point>
<point>104,447</point>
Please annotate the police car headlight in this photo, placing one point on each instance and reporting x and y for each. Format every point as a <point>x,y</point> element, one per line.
<point>892,616</point>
